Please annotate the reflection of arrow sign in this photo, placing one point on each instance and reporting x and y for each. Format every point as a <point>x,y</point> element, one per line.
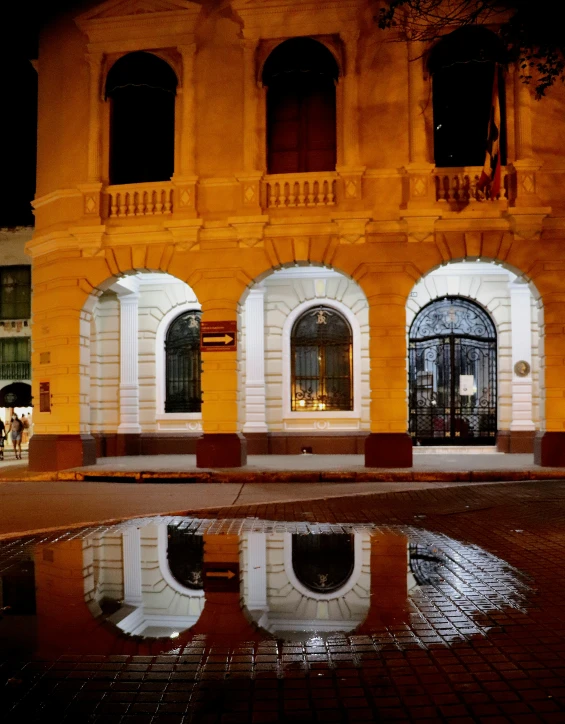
<point>226,339</point>
<point>220,574</point>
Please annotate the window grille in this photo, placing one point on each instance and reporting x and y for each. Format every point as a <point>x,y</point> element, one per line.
<point>15,358</point>
<point>183,365</point>
<point>321,351</point>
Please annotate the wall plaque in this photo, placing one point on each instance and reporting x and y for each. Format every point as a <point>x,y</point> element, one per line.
<point>522,368</point>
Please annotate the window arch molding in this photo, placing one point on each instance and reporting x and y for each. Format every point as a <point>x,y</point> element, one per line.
<point>160,362</point>
<point>309,593</point>
<point>268,46</point>
<point>351,317</point>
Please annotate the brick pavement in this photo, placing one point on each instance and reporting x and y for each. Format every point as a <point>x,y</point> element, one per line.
<point>484,643</point>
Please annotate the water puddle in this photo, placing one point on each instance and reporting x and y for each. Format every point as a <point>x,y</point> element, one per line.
<point>158,586</point>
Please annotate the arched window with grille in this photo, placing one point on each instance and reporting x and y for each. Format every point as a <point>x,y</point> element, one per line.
<point>182,367</point>
<point>462,65</point>
<point>323,563</point>
<point>141,88</point>
<point>300,75</point>
<point>321,362</point>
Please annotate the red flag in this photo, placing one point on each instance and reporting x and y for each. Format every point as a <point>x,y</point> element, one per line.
<point>491,169</point>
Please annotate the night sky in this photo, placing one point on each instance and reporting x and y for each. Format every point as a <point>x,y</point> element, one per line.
<point>20,23</point>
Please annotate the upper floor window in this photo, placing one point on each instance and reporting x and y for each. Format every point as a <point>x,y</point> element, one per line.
<point>182,367</point>
<point>321,354</point>
<point>300,75</point>
<point>15,355</point>
<point>463,65</point>
<point>15,292</point>
<point>141,88</point>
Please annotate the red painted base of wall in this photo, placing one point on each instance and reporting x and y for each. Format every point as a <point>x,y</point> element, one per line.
<point>549,449</point>
<point>221,451</point>
<point>58,452</point>
<point>388,450</point>
<point>515,442</point>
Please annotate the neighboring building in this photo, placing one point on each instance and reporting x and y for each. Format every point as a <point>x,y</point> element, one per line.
<point>281,174</point>
<point>15,329</point>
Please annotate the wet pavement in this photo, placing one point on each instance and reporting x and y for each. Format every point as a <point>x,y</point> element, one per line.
<point>443,604</point>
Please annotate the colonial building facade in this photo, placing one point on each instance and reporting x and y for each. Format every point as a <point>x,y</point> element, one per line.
<point>260,227</point>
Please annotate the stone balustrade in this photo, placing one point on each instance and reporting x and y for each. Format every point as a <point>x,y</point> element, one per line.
<point>300,190</point>
<point>460,185</point>
<point>147,199</point>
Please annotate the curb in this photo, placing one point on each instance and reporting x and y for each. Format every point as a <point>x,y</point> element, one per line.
<point>293,476</point>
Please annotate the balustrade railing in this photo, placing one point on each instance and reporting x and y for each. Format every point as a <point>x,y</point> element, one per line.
<point>300,190</point>
<point>131,200</point>
<point>461,185</point>
<point>15,371</point>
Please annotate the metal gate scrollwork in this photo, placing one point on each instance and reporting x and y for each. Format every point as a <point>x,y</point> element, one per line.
<point>452,374</point>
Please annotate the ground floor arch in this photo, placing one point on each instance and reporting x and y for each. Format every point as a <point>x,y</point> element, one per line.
<point>476,320</point>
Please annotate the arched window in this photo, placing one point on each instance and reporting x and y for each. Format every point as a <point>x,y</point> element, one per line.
<point>141,88</point>
<point>300,75</point>
<point>182,368</point>
<point>452,374</point>
<point>185,555</point>
<point>321,354</point>
<point>323,563</point>
<point>462,65</point>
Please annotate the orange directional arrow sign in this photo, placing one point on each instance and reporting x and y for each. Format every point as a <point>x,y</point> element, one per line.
<point>226,339</point>
<point>220,574</point>
<point>218,336</point>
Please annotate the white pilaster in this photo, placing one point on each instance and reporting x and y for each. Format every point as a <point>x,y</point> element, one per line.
<point>257,571</point>
<point>129,382</point>
<point>256,419</point>
<point>131,542</point>
<point>521,316</point>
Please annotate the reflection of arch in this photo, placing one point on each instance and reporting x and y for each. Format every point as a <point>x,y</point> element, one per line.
<point>453,374</point>
<point>300,76</point>
<point>162,549</point>
<point>346,585</point>
<point>182,364</point>
<point>462,65</point>
<point>323,563</point>
<point>142,90</point>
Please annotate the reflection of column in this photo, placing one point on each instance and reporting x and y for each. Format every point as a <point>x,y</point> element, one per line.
<point>520,299</point>
<point>131,541</point>
<point>255,361</point>
<point>129,383</point>
<point>257,571</point>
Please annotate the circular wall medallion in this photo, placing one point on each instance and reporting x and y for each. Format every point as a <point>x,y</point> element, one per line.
<point>522,368</point>
<point>10,398</point>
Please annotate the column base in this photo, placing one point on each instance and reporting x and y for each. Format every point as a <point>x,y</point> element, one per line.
<point>549,449</point>
<point>59,452</point>
<point>128,443</point>
<point>222,450</point>
<point>388,450</point>
<point>515,441</point>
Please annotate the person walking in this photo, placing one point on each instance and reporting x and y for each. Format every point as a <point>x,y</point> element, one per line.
<point>15,431</point>
<point>2,438</point>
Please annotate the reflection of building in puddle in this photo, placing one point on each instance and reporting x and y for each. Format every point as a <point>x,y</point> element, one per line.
<point>153,588</point>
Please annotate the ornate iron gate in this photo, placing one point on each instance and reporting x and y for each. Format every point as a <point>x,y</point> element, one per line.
<point>452,377</point>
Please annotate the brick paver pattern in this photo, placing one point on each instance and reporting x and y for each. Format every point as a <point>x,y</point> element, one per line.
<point>482,641</point>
